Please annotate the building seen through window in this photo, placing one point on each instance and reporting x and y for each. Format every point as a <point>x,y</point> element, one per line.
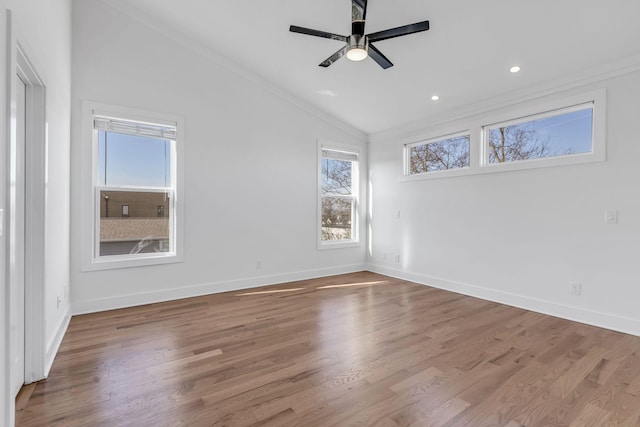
<point>133,222</point>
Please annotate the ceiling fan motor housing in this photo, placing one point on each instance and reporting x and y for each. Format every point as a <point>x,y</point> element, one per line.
<point>357,27</point>
<point>357,41</point>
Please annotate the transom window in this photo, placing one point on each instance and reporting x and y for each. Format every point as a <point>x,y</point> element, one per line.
<point>557,133</point>
<point>550,133</point>
<point>451,152</point>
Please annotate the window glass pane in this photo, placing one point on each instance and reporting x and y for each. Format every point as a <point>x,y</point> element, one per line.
<point>128,160</point>
<point>559,135</point>
<point>337,218</point>
<point>336,176</point>
<point>130,224</point>
<point>451,153</point>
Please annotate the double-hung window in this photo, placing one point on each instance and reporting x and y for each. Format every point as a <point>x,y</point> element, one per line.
<point>134,192</point>
<point>338,201</point>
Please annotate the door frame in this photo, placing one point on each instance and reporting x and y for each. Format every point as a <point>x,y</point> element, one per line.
<point>35,208</point>
<point>7,408</point>
<point>17,216</point>
<point>13,60</point>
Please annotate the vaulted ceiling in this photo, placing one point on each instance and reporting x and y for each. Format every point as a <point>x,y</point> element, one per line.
<point>464,58</point>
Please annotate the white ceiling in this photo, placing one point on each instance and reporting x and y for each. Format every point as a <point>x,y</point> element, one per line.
<point>464,57</point>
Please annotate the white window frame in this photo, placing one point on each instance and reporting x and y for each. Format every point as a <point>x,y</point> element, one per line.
<point>546,161</point>
<point>408,147</point>
<point>90,195</point>
<point>355,193</point>
<point>523,112</point>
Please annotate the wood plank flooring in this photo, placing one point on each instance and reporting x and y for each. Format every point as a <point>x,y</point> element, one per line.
<point>352,350</point>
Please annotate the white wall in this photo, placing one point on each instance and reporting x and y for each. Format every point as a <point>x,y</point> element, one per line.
<point>521,237</point>
<point>250,165</point>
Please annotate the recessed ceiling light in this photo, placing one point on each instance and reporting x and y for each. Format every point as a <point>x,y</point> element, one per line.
<point>514,69</point>
<point>435,97</point>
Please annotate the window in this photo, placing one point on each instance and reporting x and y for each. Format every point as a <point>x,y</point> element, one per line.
<point>338,189</point>
<point>439,154</point>
<point>549,132</point>
<point>134,164</point>
<point>557,133</point>
<point>134,189</point>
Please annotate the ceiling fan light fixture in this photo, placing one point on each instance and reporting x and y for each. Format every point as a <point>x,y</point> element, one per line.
<point>357,50</point>
<point>357,53</point>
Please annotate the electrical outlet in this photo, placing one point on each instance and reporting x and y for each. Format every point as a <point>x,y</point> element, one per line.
<point>59,301</point>
<point>397,258</point>
<point>611,216</point>
<point>575,288</point>
<point>259,264</point>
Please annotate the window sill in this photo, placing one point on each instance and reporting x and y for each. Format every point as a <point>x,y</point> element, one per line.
<point>115,262</point>
<point>338,245</point>
<point>574,159</point>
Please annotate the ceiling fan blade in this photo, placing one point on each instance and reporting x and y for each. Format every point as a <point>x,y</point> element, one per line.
<point>358,16</point>
<point>333,58</point>
<point>317,33</point>
<point>399,31</point>
<point>377,56</point>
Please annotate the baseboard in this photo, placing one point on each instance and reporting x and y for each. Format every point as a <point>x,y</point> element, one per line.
<point>590,317</point>
<point>96,305</point>
<point>54,344</point>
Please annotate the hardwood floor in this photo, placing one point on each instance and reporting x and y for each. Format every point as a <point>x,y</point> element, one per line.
<point>359,349</point>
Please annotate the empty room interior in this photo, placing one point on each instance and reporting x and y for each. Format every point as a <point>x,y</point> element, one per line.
<point>318,213</point>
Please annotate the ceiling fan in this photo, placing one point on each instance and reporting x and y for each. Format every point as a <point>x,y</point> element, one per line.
<point>358,45</point>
